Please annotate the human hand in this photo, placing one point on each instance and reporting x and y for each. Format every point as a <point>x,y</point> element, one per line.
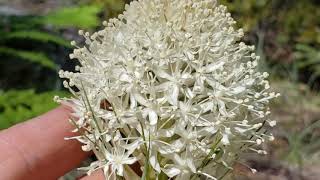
<point>36,149</point>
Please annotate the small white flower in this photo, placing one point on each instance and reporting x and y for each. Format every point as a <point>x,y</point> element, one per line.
<point>119,156</point>
<point>272,123</point>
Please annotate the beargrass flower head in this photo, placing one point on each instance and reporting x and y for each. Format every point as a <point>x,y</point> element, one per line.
<point>168,86</point>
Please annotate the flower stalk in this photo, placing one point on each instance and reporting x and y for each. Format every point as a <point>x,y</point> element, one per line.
<point>168,85</point>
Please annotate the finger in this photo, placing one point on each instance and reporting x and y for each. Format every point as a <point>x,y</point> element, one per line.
<point>97,175</point>
<point>36,149</point>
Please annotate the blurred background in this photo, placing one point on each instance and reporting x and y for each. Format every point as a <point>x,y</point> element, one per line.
<point>34,45</point>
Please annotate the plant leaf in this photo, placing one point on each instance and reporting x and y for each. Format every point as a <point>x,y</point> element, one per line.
<point>81,17</point>
<point>37,35</point>
<point>35,57</point>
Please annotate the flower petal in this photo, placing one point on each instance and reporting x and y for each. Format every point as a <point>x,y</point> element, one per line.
<point>153,117</point>
<point>171,172</point>
<point>154,162</point>
<point>225,139</point>
<point>173,94</point>
<point>130,160</point>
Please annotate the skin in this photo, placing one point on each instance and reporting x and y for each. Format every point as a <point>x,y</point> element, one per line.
<point>37,150</point>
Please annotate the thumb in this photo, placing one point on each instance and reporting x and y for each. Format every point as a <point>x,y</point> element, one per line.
<point>97,175</point>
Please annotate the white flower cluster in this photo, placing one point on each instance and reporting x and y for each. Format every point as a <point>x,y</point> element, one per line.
<point>168,86</point>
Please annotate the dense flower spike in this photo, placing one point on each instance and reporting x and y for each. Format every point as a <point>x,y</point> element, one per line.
<point>169,85</point>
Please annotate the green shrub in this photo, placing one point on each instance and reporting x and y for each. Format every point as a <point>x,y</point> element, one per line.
<point>31,28</point>
<point>17,106</point>
<point>286,34</point>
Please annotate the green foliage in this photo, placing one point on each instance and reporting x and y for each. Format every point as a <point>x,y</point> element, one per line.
<point>303,144</point>
<point>80,17</point>
<point>302,27</point>
<point>34,57</point>
<point>35,39</point>
<point>248,12</point>
<point>19,105</point>
<point>289,32</point>
<point>111,7</point>
<point>115,5</point>
<point>289,20</point>
<point>36,35</point>
<point>297,133</point>
<point>308,58</point>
